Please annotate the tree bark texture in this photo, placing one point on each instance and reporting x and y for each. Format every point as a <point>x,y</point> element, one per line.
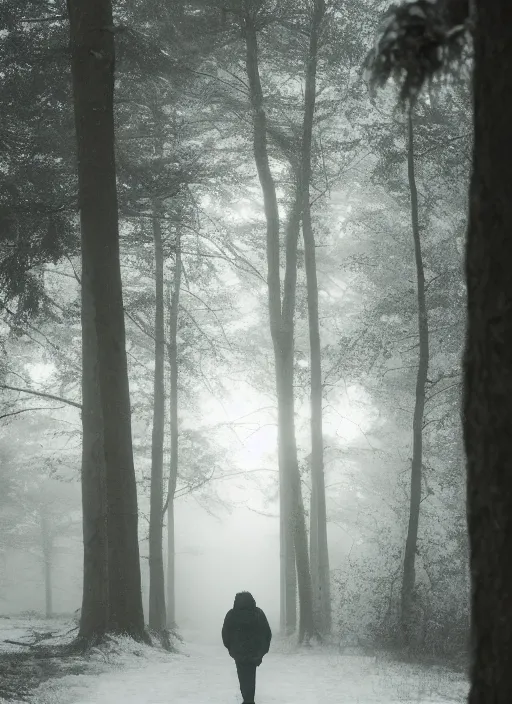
<point>94,612</point>
<point>92,67</point>
<point>487,401</point>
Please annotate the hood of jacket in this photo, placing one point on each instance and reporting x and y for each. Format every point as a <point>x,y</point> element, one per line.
<point>244,600</point>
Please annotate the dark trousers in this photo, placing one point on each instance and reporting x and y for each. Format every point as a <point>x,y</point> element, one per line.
<point>247,678</point>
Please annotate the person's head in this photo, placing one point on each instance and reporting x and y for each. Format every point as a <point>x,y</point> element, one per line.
<point>244,600</point>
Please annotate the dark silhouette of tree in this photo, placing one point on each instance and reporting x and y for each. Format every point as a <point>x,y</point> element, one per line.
<point>319,550</point>
<point>92,67</point>
<point>487,401</point>
<point>488,357</point>
<point>411,545</point>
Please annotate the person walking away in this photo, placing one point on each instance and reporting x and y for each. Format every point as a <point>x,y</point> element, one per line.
<point>247,635</point>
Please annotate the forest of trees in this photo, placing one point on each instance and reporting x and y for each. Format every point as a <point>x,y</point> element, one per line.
<point>200,199</point>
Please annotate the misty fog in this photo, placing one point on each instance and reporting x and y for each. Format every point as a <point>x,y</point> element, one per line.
<point>254,383</point>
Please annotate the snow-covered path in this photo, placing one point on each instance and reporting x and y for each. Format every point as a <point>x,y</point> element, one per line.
<point>204,674</point>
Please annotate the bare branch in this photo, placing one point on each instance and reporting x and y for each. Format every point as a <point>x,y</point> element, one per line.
<point>209,308</point>
<point>139,324</point>
<point>41,394</point>
<point>26,410</point>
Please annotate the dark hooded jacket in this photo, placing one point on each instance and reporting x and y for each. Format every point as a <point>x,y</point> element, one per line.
<point>246,633</point>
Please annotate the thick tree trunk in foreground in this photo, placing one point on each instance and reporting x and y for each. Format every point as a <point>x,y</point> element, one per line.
<point>94,612</point>
<point>488,358</point>
<point>173,468</point>
<point>319,550</point>
<point>157,615</point>
<point>92,67</point>
<point>409,573</point>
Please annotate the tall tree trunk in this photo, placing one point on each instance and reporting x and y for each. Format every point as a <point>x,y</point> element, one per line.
<point>173,467</point>
<point>307,627</point>
<point>294,525</point>
<point>461,535</point>
<point>171,567</point>
<point>319,550</point>
<point>409,575</point>
<point>157,615</point>
<point>488,358</point>
<point>92,67</point>
<point>94,611</point>
<point>284,377</point>
<point>286,447</point>
<point>47,545</point>
<point>293,529</point>
<point>287,450</point>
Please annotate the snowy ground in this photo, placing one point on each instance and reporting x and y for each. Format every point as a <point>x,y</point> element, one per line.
<point>28,629</point>
<point>203,673</point>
